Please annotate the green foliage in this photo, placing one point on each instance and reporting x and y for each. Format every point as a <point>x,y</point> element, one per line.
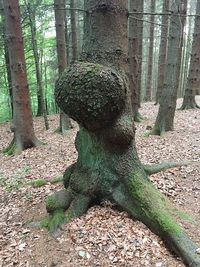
<point>38,183</point>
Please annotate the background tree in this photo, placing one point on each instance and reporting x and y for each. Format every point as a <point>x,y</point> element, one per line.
<point>193,81</point>
<point>165,118</point>
<point>95,92</point>
<point>74,30</point>
<point>6,56</point>
<point>134,57</point>
<point>24,136</point>
<point>59,7</point>
<point>31,10</point>
<point>162,50</point>
<point>148,95</point>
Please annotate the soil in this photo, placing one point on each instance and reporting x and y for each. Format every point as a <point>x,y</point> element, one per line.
<point>104,236</point>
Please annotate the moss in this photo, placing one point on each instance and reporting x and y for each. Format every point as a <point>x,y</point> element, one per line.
<point>156,209</point>
<point>38,182</point>
<point>57,179</point>
<point>54,221</point>
<point>51,203</point>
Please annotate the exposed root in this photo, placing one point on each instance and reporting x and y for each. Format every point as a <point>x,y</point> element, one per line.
<point>63,206</point>
<point>155,168</point>
<point>138,117</point>
<point>146,203</point>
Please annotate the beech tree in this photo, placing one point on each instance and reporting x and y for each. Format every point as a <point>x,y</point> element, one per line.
<point>24,136</point>
<point>95,92</point>
<point>59,8</point>
<point>165,118</point>
<point>193,80</point>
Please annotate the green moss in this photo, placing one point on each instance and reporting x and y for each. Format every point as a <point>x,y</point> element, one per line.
<point>156,209</point>
<point>183,215</point>
<point>38,182</point>
<point>57,179</point>
<point>51,203</point>
<point>54,221</point>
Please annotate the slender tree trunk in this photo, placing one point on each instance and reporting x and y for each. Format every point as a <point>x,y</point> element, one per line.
<point>40,93</point>
<point>95,92</point>
<point>74,30</point>
<point>181,45</point>
<point>193,81</point>
<point>165,118</point>
<point>59,7</point>
<point>148,96</point>
<point>162,51</point>
<point>24,136</point>
<point>140,30</point>
<point>7,61</point>
<point>134,58</point>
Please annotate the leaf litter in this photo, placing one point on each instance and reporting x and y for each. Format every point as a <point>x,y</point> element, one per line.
<point>103,236</point>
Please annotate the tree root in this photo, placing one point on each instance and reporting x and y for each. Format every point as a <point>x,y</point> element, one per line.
<point>189,106</point>
<point>155,168</point>
<point>138,117</point>
<point>136,195</point>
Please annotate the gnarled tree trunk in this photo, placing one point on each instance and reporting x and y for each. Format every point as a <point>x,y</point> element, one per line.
<point>95,92</point>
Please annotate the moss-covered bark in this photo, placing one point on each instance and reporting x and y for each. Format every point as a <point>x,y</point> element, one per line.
<point>97,96</point>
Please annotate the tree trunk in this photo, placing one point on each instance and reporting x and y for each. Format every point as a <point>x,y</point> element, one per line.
<point>193,80</point>
<point>148,96</point>
<point>59,7</point>
<point>162,51</point>
<point>134,33</point>
<point>165,118</point>
<point>74,31</point>
<point>140,30</point>
<point>24,136</point>
<point>6,56</point>
<point>40,95</point>
<point>95,92</point>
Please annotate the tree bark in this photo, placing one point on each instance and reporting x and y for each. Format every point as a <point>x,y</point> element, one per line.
<point>193,80</point>
<point>7,61</point>
<point>74,31</point>
<point>165,118</point>
<point>95,92</point>
<point>134,35</point>
<point>24,136</point>
<point>140,30</point>
<point>162,51</point>
<point>40,94</point>
<point>59,7</point>
<point>148,95</point>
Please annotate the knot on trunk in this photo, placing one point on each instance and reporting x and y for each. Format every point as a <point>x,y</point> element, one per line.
<point>91,94</point>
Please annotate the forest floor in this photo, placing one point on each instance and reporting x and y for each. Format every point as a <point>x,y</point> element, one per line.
<point>102,237</point>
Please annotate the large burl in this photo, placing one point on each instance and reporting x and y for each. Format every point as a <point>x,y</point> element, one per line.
<point>108,167</point>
